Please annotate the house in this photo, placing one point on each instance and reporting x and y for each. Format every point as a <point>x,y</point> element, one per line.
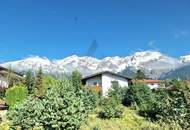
<point>5,75</point>
<point>153,84</point>
<point>104,80</point>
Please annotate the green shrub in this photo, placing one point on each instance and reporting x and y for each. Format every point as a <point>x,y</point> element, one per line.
<point>49,81</point>
<point>139,94</point>
<point>76,78</point>
<point>117,92</point>
<point>171,106</point>
<point>90,97</point>
<point>60,108</point>
<point>16,95</point>
<point>2,93</point>
<point>110,108</point>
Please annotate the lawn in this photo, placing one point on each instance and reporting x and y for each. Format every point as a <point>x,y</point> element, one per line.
<point>130,121</point>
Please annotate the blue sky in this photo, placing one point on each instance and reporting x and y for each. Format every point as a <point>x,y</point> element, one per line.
<point>59,28</point>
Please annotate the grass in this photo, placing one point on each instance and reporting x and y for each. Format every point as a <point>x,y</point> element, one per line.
<point>130,121</point>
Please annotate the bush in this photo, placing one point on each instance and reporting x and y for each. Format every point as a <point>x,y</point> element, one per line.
<point>117,92</point>
<point>16,95</point>
<point>171,106</point>
<point>49,81</point>
<point>2,93</point>
<point>90,97</point>
<point>60,108</point>
<point>139,94</point>
<point>110,108</point>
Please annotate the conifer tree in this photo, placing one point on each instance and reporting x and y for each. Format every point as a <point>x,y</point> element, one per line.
<point>39,87</point>
<point>140,75</point>
<point>10,78</point>
<point>76,80</point>
<point>29,81</point>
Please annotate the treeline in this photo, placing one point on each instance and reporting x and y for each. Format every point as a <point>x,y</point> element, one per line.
<point>45,103</point>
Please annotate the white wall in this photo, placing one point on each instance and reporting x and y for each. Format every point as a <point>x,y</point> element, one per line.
<point>153,86</point>
<point>90,82</point>
<point>3,83</point>
<point>108,78</point>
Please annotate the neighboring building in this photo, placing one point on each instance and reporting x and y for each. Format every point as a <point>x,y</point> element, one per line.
<point>104,80</point>
<point>4,77</point>
<point>153,84</point>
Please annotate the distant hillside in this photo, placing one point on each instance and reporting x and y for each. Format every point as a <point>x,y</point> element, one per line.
<point>181,73</point>
<point>129,72</point>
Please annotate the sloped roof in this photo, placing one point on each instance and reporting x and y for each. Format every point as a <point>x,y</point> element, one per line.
<point>105,72</point>
<point>147,81</point>
<point>4,70</point>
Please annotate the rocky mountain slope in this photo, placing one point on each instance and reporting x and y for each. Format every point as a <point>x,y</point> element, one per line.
<point>154,63</point>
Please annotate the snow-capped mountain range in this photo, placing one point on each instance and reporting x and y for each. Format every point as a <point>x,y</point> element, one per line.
<point>154,63</point>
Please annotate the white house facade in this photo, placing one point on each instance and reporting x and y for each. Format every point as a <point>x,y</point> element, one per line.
<point>105,80</point>
<point>152,84</point>
<point>3,83</point>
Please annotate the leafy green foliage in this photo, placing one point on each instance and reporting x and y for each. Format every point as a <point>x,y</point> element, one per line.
<point>29,81</point>
<point>49,81</point>
<point>110,108</point>
<point>76,78</point>
<point>171,105</point>
<point>139,94</point>
<point>16,95</point>
<point>90,99</point>
<point>39,86</point>
<point>60,108</point>
<point>140,75</point>
<point>2,93</point>
<point>117,92</point>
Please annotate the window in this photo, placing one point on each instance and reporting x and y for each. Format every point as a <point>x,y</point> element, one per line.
<point>95,83</point>
<point>114,83</point>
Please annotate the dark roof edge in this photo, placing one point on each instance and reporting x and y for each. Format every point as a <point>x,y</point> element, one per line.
<point>104,72</point>
<point>1,67</point>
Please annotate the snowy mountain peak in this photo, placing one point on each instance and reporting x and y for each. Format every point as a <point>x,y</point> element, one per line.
<point>153,62</point>
<point>185,59</point>
<point>148,55</point>
<point>37,59</point>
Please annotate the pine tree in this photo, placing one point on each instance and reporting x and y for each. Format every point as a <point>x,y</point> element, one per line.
<point>10,78</point>
<point>76,80</point>
<point>39,87</point>
<point>29,81</point>
<point>140,75</point>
